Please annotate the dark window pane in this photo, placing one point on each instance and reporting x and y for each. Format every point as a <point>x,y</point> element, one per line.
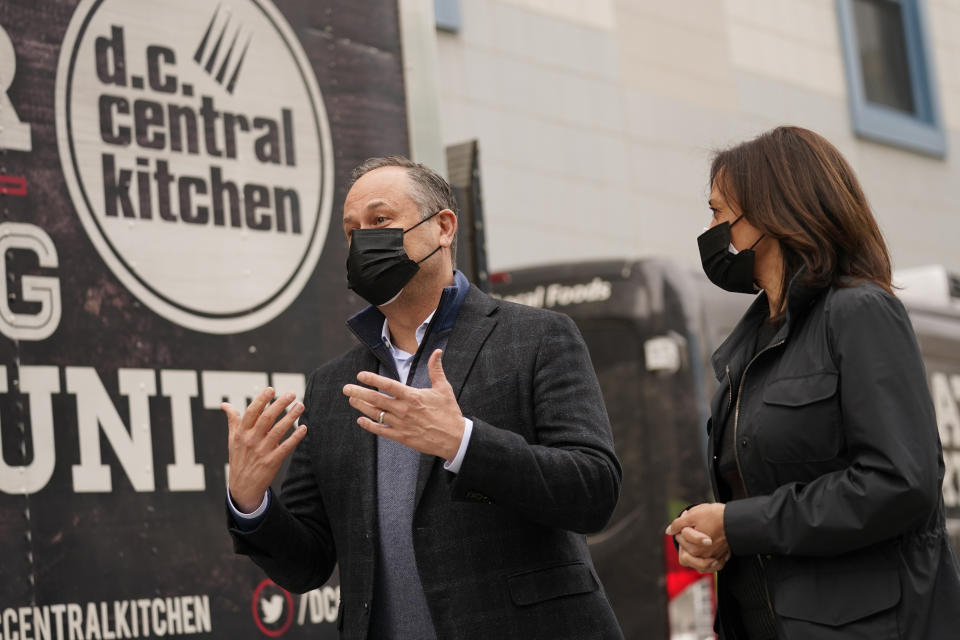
<point>883,53</point>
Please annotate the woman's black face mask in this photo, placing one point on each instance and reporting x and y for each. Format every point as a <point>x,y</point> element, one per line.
<point>730,270</point>
<point>378,267</point>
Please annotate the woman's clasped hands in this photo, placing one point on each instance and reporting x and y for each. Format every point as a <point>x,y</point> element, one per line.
<point>700,537</point>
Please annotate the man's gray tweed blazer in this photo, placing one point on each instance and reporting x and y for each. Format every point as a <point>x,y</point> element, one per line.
<point>500,547</point>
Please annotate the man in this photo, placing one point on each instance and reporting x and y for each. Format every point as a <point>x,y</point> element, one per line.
<point>453,459</point>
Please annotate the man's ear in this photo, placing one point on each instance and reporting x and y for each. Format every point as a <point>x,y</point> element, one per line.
<point>447,220</point>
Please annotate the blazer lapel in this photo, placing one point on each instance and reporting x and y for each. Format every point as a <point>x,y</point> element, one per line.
<point>473,326</point>
<point>363,447</point>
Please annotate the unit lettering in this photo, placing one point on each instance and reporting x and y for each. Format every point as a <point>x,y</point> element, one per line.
<point>127,430</point>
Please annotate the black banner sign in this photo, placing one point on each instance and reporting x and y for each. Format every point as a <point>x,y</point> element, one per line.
<point>171,179</point>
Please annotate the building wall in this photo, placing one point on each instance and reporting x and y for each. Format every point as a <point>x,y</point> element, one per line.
<point>597,119</point>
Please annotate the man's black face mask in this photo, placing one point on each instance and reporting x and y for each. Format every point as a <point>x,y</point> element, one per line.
<point>378,267</point>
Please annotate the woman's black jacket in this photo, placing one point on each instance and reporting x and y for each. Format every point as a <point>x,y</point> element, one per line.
<point>836,441</point>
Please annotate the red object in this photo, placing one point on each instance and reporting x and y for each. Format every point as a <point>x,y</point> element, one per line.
<point>500,277</point>
<point>678,577</point>
<point>13,185</point>
<point>273,633</point>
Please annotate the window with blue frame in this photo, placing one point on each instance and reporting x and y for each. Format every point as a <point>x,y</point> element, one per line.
<point>447,15</point>
<point>890,77</point>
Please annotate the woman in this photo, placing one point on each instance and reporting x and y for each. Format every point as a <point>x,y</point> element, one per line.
<point>823,446</point>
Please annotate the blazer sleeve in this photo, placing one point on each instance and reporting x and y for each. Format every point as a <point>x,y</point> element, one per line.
<point>293,543</point>
<point>569,477</point>
<point>892,481</point>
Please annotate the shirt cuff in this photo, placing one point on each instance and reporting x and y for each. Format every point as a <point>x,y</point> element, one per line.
<point>453,466</point>
<point>248,521</point>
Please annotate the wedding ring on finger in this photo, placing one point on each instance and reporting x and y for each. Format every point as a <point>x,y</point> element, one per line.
<point>380,418</point>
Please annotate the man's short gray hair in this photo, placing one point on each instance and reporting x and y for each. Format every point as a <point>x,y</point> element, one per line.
<point>430,191</point>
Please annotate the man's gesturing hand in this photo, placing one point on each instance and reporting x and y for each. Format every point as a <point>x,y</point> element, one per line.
<point>428,420</point>
<point>256,445</point>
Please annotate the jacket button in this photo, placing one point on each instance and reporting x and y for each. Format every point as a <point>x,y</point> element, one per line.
<point>744,443</point>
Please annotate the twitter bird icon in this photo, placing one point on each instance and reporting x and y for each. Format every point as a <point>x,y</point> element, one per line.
<point>272,608</point>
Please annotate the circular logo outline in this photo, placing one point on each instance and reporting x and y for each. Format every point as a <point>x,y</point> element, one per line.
<point>273,633</point>
<point>203,321</point>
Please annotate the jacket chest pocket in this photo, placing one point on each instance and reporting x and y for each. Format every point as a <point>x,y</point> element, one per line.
<point>800,419</point>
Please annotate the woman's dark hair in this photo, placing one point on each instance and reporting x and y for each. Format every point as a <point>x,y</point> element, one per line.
<point>796,187</point>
